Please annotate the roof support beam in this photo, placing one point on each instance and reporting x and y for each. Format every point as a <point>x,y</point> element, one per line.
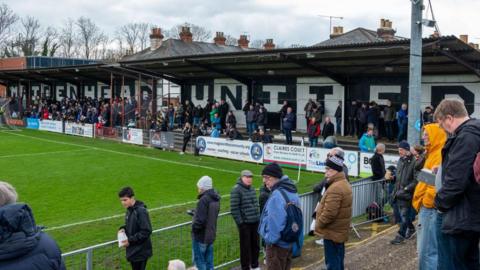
<point>242,79</point>
<point>460,61</point>
<point>87,77</point>
<point>146,72</point>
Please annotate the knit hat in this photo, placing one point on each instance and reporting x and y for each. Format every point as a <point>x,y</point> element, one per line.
<point>404,145</point>
<point>335,163</point>
<point>205,183</point>
<point>273,170</point>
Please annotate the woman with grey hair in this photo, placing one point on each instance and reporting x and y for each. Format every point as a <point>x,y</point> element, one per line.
<point>23,246</point>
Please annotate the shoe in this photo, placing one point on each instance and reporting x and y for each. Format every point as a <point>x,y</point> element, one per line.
<point>319,242</point>
<point>410,234</point>
<point>181,153</point>
<point>398,240</point>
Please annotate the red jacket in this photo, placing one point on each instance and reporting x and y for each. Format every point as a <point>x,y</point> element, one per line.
<point>313,130</point>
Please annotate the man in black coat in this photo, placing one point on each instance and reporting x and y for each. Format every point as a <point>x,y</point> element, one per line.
<point>23,246</point>
<point>378,163</point>
<point>328,128</point>
<point>137,229</point>
<point>458,199</point>
<point>223,111</point>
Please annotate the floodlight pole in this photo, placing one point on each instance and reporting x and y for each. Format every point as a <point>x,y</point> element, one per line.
<point>415,75</point>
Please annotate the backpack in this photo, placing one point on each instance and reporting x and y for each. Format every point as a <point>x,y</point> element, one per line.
<point>374,211</point>
<point>294,224</point>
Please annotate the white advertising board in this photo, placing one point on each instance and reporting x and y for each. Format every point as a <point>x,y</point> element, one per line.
<point>287,155</point>
<point>50,125</point>
<point>84,130</point>
<point>132,135</point>
<point>316,160</point>
<point>231,149</point>
<point>366,169</point>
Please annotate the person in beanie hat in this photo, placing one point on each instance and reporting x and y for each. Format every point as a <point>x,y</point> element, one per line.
<point>274,215</point>
<point>245,212</point>
<point>204,225</point>
<point>403,192</point>
<point>334,213</point>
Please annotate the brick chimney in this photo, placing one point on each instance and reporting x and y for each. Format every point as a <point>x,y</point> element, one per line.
<point>219,39</point>
<point>269,45</point>
<point>385,31</point>
<point>156,38</point>
<point>337,31</point>
<point>464,38</point>
<point>186,35</point>
<point>243,41</point>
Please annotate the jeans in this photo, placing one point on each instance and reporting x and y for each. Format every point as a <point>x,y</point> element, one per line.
<point>313,142</point>
<point>334,254</point>
<point>251,127</point>
<point>171,123</point>
<point>202,255</point>
<point>402,132</point>
<point>389,129</point>
<point>288,135</point>
<point>427,239</point>
<point>457,251</point>
<point>339,125</point>
<point>196,121</point>
<point>406,219</point>
<point>249,245</point>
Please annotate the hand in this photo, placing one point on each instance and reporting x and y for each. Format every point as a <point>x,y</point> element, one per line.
<point>125,243</point>
<point>435,170</point>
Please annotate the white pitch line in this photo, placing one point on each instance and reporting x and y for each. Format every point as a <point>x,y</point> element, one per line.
<point>43,153</point>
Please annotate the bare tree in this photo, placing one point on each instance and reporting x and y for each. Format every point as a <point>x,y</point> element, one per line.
<point>50,42</point>
<point>144,35</point>
<point>199,33</point>
<point>257,44</point>
<point>7,20</point>
<point>130,34</point>
<point>68,39</point>
<point>100,46</point>
<point>89,35</point>
<point>230,40</point>
<point>29,35</point>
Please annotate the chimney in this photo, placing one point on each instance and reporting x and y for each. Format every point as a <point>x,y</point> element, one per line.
<point>219,39</point>
<point>385,31</point>
<point>156,38</point>
<point>186,35</point>
<point>269,45</point>
<point>464,38</point>
<point>243,41</point>
<point>337,31</point>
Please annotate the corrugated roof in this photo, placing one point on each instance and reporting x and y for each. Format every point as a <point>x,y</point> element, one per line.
<point>176,47</point>
<point>356,36</point>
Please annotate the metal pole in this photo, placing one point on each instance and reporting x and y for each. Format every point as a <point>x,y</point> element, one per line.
<point>111,99</point>
<point>123,101</point>
<point>415,78</point>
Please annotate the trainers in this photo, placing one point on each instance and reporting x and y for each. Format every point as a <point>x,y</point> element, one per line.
<point>319,242</point>
<point>410,234</point>
<point>398,240</point>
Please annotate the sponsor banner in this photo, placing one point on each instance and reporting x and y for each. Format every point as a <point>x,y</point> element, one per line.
<point>316,160</point>
<point>366,169</point>
<point>164,140</point>
<point>132,135</point>
<point>287,155</point>
<point>85,130</point>
<point>33,123</point>
<point>51,125</point>
<point>238,150</point>
<point>15,122</point>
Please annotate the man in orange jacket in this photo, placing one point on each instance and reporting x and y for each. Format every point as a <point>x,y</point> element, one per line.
<point>423,199</point>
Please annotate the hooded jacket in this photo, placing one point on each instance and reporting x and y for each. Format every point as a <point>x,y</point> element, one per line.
<point>459,197</point>
<point>204,225</point>
<point>23,246</point>
<point>138,230</point>
<point>274,215</point>
<point>424,193</point>
<point>244,204</point>
<point>335,211</point>
<point>366,143</point>
<point>406,181</point>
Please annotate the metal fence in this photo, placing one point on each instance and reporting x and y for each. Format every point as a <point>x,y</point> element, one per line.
<point>174,242</point>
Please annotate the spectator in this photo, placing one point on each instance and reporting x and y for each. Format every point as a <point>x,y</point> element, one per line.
<point>256,136</point>
<point>171,116</point>
<point>216,122</point>
<point>223,110</point>
<point>338,118</point>
<point>204,225</point>
<point>378,163</point>
<point>23,245</point>
<point>352,119</point>
<point>197,115</point>
<point>367,142</point>
<point>328,128</point>
<point>179,115</point>
<point>403,192</point>
<point>204,129</point>
<point>434,138</point>
<point>261,119</point>
<point>265,137</point>
<point>373,116</point>
<point>458,200</point>
<point>251,121</point>
<point>213,112</point>
<point>334,213</point>
<point>245,110</point>
<point>233,134</point>
<point>215,133</point>
<point>137,229</point>
<point>245,212</point>
<point>231,121</point>
<point>340,153</point>
<point>389,118</point>
<point>317,114</point>
<point>418,153</point>
<point>362,119</point>
<point>402,120</point>
<point>313,131</point>
<point>427,116</point>
<point>273,218</point>
<point>308,109</point>
<point>283,112</point>
<point>288,123</point>
<point>330,142</point>
<point>176,265</point>
<point>187,135</point>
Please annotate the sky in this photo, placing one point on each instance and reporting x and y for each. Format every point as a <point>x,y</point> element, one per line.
<point>286,21</point>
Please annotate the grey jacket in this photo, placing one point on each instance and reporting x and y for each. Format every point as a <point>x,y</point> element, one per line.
<point>389,113</point>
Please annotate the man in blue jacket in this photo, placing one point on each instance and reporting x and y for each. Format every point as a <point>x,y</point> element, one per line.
<point>274,217</point>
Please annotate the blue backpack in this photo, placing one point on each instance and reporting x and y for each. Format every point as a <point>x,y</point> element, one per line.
<point>294,224</point>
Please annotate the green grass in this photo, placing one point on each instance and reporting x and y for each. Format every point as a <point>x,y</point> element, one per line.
<point>67,179</point>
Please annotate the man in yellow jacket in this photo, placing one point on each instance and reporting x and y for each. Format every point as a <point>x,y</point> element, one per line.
<point>423,199</point>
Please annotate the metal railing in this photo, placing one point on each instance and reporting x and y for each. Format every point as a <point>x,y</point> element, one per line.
<point>174,242</point>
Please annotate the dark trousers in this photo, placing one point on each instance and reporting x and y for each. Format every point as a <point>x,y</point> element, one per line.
<point>140,265</point>
<point>362,128</point>
<point>457,251</point>
<point>185,142</point>
<point>334,254</point>
<point>278,258</point>
<point>406,219</point>
<point>352,126</point>
<point>389,129</point>
<point>288,135</point>
<point>249,245</point>
<point>339,125</point>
